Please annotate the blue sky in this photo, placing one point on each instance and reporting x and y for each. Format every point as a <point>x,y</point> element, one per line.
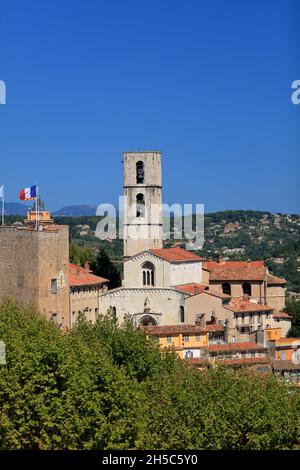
<point>207,83</point>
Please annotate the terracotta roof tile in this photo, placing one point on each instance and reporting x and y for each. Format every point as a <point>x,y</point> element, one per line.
<point>238,346</point>
<point>237,361</point>
<point>281,315</point>
<point>208,265</point>
<point>214,327</point>
<point>242,305</point>
<point>246,273</point>
<point>195,288</point>
<point>173,329</point>
<point>240,271</point>
<point>192,289</point>
<point>275,280</point>
<point>215,293</point>
<point>175,254</point>
<point>79,276</point>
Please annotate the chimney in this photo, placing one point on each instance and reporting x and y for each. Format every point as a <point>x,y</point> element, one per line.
<point>87,266</point>
<point>221,260</point>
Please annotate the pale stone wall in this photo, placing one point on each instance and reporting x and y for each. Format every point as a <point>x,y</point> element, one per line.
<point>161,304</point>
<point>29,260</point>
<point>18,264</point>
<point>53,263</point>
<point>285,325</point>
<point>166,274</point>
<point>149,226</point>
<point>85,300</point>
<point>205,276</point>
<point>133,276</point>
<point>276,297</point>
<point>257,289</point>
<point>152,164</point>
<point>204,304</point>
<point>185,273</point>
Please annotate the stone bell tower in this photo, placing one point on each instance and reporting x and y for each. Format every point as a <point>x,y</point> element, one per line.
<point>142,202</point>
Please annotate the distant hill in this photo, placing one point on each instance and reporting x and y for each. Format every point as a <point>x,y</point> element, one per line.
<point>76,211</point>
<point>15,208</point>
<point>235,235</point>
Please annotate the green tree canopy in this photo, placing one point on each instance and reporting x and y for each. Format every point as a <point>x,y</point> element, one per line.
<point>293,308</point>
<point>104,267</point>
<point>105,386</point>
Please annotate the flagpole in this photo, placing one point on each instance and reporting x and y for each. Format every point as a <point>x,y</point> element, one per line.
<point>37,208</point>
<point>3,204</point>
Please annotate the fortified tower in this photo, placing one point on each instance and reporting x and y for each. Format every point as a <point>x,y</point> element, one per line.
<point>34,268</point>
<point>142,202</point>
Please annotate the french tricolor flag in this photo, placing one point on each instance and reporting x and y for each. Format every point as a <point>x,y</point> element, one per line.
<point>28,193</point>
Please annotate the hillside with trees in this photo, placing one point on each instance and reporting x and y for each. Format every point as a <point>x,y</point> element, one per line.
<point>237,235</point>
<point>106,386</point>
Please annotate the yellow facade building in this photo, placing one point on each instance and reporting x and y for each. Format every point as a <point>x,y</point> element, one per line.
<point>187,341</point>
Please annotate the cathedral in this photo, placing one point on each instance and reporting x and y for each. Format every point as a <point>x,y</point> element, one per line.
<point>162,287</point>
<point>151,292</point>
<point>173,286</point>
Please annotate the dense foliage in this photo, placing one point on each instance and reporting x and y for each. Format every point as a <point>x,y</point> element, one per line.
<point>105,386</point>
<point>293,308</point>
<point>100,263</point>
<point>103,266</point>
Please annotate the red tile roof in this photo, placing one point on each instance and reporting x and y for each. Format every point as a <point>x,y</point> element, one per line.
<point>173,329</point>
<point>244,273</point>
<point>274,280</point>
<point>215,293</point>
<point>282,315</point>
<point>240,271</point>
<point>238,361</point>
<point>214,327</point>
<point>238,346</point>
<point>175,254</point>
<point>79,276</point>
<point>242,305</point>
<point>208,265</point>
<point>193,288</point>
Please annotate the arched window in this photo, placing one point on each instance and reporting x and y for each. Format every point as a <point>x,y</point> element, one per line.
<point>140,172</point>
<point>246,288</point>
<point>226,288</point>
<point>148,274</point>
<point>140,205</point>
<point>182,314</point>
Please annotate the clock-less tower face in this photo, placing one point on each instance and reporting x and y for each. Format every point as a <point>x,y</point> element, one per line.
<point>142,202</point>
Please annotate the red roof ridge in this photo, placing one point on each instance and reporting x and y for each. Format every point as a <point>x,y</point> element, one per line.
<point>175,254</point>
<point>238,346</point>
<point>238,304</point>
<point>192,288</point>
<point>79,276</point>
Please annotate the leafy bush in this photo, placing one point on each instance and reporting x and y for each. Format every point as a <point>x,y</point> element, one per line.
<point>105,386</point>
